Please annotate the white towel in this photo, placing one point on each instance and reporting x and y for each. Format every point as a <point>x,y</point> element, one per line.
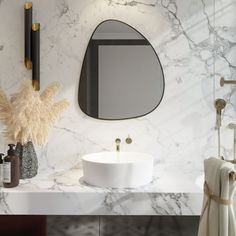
<point>217,213</point>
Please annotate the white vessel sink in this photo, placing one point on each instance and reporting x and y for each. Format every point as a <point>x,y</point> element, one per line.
<point>117,169</point>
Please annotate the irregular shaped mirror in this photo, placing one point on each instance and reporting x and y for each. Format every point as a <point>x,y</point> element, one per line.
<point>121,75</point>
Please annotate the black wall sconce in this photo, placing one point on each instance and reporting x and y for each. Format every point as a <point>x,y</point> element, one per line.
<point>32,46</point>
<point>28,23</point>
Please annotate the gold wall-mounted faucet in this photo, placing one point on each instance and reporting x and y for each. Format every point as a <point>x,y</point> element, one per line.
<point>128,140</point>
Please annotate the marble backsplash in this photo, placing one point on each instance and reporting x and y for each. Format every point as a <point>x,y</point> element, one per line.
<point>195,41</point>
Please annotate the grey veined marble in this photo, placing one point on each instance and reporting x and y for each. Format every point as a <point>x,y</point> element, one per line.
<point>122,225</point>
<point>28,160</point>
<point>65,193</point>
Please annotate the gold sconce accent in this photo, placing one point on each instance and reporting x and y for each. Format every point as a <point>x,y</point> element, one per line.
<point>35,26</point>
<point>223,81</point>
<point>28,64</point>
<point>36,85</point>
<point>28,5</point>
<point>28,22</point>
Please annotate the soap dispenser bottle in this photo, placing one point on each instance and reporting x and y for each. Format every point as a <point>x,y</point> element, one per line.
<point>11,168</point>
<point>1,169</point>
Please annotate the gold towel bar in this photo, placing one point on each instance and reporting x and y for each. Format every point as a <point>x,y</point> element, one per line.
<point>232,174</point>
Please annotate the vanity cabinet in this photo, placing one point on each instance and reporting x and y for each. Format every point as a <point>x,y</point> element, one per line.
<point>15,225</point>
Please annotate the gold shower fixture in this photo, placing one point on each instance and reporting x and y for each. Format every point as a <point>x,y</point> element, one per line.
<point>219,105</point>
<point>223,81</point>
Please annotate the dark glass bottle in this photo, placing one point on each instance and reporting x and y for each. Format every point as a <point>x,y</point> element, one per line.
<point>11,168</point>
<point>1,169</point>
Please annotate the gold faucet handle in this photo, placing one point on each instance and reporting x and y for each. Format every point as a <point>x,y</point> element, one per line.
<point>128,140</point>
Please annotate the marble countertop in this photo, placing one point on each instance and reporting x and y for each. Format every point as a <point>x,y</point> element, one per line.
<point>59,192</point>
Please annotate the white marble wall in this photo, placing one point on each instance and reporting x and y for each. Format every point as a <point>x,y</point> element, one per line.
<point>225,64</point>
<point>180,132</point>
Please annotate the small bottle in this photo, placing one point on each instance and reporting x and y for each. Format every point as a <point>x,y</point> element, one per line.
<point>11,168</point>
<point>1,169</point>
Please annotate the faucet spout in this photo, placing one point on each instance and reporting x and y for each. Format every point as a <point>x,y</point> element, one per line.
<point>118,141</point>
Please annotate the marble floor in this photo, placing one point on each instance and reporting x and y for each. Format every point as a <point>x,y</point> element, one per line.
<point>122,225</point>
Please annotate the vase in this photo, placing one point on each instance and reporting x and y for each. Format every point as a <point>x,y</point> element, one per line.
<point>28,160</point>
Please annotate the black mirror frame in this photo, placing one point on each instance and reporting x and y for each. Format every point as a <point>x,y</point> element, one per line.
<point>133,117</point>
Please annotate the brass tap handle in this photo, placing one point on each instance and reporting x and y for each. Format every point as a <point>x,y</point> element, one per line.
<point>118,141</point>
<point>128,140</point>
<point>223,81</point>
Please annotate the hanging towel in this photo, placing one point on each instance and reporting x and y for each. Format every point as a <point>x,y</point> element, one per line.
<point>217,218</point>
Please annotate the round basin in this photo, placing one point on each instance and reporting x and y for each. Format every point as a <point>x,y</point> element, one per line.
<point>117,169</point>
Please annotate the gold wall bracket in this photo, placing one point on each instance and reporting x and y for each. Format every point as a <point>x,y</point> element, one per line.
<point>223,81</point>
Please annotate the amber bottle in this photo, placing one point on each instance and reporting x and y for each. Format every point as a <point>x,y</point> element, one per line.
<point>11,168</point>
<point>1,169</point>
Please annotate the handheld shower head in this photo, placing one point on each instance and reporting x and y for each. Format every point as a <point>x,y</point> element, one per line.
<point>219,105</point>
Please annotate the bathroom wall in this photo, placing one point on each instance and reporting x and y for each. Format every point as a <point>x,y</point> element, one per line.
<point>225,64</point>
<point>195,41</point>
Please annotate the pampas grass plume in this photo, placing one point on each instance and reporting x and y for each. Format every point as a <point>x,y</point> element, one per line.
<point>28,115</point>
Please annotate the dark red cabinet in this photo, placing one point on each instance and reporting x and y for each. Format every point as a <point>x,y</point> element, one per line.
<point>15,225</point>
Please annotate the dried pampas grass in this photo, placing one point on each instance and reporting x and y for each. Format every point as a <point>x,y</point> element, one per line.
<point>28,115</point>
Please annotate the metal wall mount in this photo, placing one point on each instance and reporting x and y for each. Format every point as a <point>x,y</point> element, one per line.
<point>223,81</point>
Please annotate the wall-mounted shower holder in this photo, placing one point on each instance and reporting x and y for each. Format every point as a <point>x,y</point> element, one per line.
<point>223,81</point>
